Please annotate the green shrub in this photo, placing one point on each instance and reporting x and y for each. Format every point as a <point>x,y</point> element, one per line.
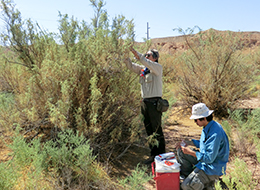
<point>228,129</point>
<point>25,168</point>
<point>71,158</point>
<point>66,162</point>
<point>136,180</point>
<point>79,82</point>
<point>8,176</point>
<point>246,126</point>
<point>239,177</point>
<point>7,108</point>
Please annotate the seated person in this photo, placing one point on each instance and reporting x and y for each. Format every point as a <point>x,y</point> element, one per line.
<point>201,168</point>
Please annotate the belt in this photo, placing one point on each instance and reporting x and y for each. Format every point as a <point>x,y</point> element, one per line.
<point>153,99</point>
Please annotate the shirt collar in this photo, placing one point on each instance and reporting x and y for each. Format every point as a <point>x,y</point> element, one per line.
<point>207,127</point>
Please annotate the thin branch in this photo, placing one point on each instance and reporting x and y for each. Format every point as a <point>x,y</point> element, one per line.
<point>16,62</point>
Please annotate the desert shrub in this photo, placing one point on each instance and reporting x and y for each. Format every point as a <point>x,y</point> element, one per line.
<point>213,71</point>
<point>66,162</point>
<point>24,170</point>
<point>75,79</point>
<point>6,108</point>
<point>8,177</point>
<point>228,129</point>
<point>137,179</point>
<point>71,158</point>
<point>239,177</point>
<point>242,130</point>
<point>169,68</point>
<point>254,57</point>
<point>246,132</point>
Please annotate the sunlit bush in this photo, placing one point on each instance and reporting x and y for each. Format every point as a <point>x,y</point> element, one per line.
<point>75,79</point>
<point>213,71</point>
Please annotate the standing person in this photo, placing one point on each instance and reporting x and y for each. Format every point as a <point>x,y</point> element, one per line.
<point>204,166</point>
<point>150,73</point>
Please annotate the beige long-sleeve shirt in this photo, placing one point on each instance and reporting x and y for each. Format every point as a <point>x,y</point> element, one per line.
<point>151,83</point>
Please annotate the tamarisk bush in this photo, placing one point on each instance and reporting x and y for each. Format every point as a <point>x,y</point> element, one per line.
<point>213,71</point>
<point>72,80</point>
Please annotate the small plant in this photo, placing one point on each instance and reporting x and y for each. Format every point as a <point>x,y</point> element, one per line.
<point>239,177</point>
<point>246,131</point>
<point>67,162</point>
<point>228,129</point>
<point>25,169</point>
<point>8,176</point>
<point>136,180</point>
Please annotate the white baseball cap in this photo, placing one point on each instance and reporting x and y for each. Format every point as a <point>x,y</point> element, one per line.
<point>200,110</point>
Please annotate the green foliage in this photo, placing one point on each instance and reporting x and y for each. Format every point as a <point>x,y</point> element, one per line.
<point>68,30</point>
<point>213,71</point>
<point>70,156</point>
<point>248,121</point>
<point>66,161</point>
<point>95,100</point>
<point>136,180</point>
<point>6,109</point>
<point>8,177</point>
<point>247,128</point>
<point>240,177</point>
<point>254,58</point>
<point>25,169</point>
<point>78,82</point>
<point>244,139</point>
<point>152,139</point>
<point>228,129</point>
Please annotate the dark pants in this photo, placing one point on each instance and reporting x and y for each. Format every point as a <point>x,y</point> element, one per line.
<point>153,124</point>
<point>187,162</point>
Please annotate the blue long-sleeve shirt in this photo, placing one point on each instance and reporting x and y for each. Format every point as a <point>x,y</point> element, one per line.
<point>214,149</point>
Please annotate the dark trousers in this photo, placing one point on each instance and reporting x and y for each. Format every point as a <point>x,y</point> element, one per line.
<point>153,124</point>
<point>187,162</point>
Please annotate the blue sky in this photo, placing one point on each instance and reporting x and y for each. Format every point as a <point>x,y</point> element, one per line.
<point>163,16</point>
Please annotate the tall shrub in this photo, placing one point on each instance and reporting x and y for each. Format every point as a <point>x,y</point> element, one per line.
<point>75,79</point>
<point>213,71</point>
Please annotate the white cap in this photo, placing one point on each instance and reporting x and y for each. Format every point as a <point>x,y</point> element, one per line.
<point>200,110</point>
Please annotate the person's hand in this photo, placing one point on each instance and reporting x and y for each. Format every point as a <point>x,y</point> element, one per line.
<point>135,53</point>
<point>181,144</point>
<point>187,150</point>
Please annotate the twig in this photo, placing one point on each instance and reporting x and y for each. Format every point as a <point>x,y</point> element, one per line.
<point>16,63</point>
<point>120,155</point>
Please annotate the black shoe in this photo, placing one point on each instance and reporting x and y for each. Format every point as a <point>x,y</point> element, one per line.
<point>149,161</point>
